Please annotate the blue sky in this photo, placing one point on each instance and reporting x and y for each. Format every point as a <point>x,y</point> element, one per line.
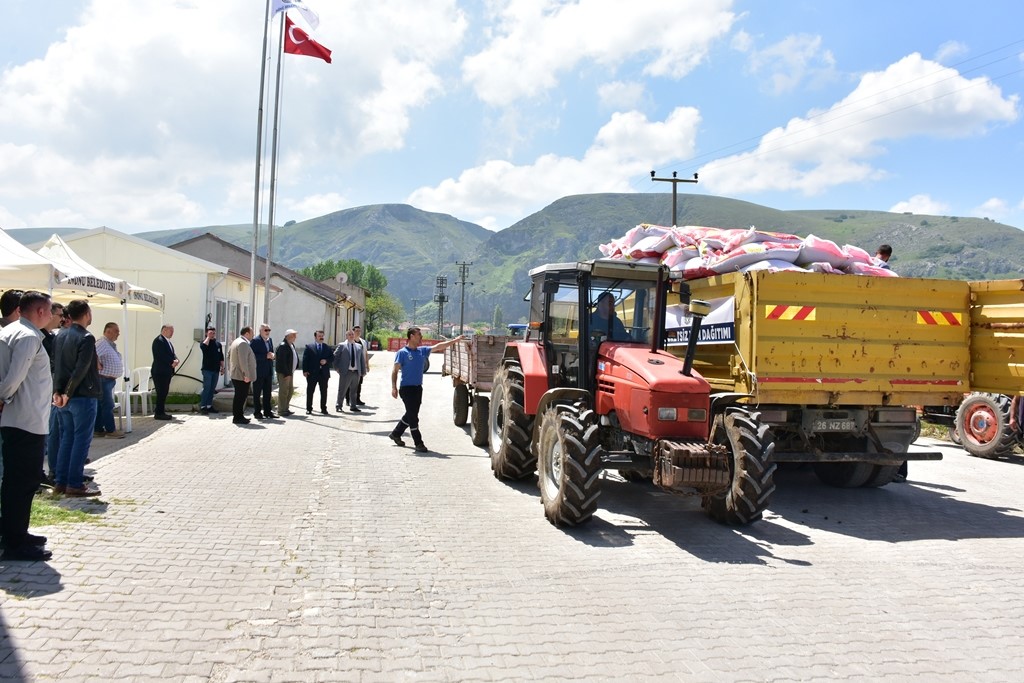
<point>142,115</point>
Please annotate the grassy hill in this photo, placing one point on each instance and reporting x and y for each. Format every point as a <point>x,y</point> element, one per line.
<point>412,247</point>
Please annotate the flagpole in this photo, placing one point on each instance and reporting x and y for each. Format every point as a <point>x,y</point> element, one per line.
<point>273,176</point>
<point>256,184</point>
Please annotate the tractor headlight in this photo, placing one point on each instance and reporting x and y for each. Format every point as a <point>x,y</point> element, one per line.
<point>667,414</point>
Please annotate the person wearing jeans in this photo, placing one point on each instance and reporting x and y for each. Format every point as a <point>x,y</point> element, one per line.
<point>76,387</point>
<point>213,368</point>
<point>111,368</point>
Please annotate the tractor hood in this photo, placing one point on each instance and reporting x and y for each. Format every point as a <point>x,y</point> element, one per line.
<point>659,371</point>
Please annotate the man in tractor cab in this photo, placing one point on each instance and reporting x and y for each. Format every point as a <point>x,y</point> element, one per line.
<point>605,322</point>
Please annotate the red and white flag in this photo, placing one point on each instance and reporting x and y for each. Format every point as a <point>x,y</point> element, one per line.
<point>298,42</point>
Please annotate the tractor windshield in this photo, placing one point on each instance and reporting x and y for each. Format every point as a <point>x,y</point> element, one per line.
<point>622,310</point>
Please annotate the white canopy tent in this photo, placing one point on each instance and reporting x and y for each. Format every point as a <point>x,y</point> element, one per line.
<point>78,279</point>
<point>22,268</point>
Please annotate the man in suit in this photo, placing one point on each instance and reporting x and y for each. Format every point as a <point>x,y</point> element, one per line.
<point>242,371</point>
<point>286,362</point>
<point>316,368</point>
<point>164,363</point>
<point>350,363</point>
<point>263,349</point>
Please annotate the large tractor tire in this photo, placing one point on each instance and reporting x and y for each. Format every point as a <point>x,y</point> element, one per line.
<point>460,405</point>
<point>509,427</point>
<point>478,420</point>
<point>983,422</point>
<point>753,469</point>
<point>569,464</point>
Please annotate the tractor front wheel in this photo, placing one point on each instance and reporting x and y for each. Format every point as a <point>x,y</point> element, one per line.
<point>569,464</point>
<point>983,422</point>
<point>753,469</point>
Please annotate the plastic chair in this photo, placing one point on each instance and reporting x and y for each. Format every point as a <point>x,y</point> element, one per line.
<point>141,388</point>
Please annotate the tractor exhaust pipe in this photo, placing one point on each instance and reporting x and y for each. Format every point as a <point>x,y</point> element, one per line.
<point>698,309</point>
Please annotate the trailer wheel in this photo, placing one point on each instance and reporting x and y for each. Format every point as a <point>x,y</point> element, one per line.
<point>753,472</point>
<point>509,427</point>
<point>460,405</point>
<point>844,475</point>
<point>478,420</point>
<point>983,421</point>
<point>569,464</point>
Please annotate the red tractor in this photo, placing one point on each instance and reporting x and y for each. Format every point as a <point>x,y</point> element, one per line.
<point>591,387</point>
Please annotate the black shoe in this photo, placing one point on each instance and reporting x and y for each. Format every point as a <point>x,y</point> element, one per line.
<point>32,539</point>
<point>27,553</point>
<point>241,421</point>
<point>309,412</point>
<point>258,416</point>
<point>204,411</point>
<point>420,448</point>
<point>271,416</point>
<point>162,416</point>
<point>397,439</point>
<point>211,409</point>
<point>360,403</point>
<point>287,413</point>
<point>355,410</point>
<point>324,412</point>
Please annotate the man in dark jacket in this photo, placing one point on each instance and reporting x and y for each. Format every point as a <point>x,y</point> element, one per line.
<point>76,392</point>
<point>213,368</point>
<point>316,368</point>
<point>164,363</point>
<point>263,348</point>
<point>286,363</point>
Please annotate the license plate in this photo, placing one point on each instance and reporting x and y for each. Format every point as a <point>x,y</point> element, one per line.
<point>833,425</point>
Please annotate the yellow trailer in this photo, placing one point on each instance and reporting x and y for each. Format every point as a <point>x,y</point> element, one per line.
<point>837,363</point>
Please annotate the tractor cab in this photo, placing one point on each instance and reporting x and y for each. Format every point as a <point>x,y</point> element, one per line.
<point>582,306</point>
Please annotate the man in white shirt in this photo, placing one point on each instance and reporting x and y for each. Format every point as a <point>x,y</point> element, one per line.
<point>111,368</point>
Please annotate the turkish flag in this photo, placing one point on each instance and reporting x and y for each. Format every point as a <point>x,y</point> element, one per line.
<point>298,42</point>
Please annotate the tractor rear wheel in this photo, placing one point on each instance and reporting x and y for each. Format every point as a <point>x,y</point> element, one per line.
<point>460,405</point>
<point>569,464</point>
<point>509,427</point>
<point>983,422</point>
<point>478,420</point>
<point>753,469</point>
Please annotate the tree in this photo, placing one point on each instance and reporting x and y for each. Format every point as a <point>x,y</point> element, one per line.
<point>498,320</point>
<point>383,311</point>
<point>360,275</point>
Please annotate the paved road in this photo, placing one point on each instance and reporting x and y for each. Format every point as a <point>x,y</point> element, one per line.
<point>314,549</point>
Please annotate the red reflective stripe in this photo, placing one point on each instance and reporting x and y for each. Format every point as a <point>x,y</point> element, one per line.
<point>929,319</point>
<point>803,312</point>
<point>950,318</point>
<point>777,312</point>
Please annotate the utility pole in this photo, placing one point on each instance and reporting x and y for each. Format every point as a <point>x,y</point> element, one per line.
<point>414,302</point>
<point>441,298</point>
<point>463,274</point>
<point>675,182</point>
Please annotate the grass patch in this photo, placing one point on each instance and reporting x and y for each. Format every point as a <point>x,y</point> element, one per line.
<point>48,512</point>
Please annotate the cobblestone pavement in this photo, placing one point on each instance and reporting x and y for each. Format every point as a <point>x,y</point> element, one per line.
<point>314,549</point>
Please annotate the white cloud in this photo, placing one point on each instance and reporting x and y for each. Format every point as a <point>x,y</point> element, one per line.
<point>621,95</point>
<point>742,41</point>
<point>921,204</point>
<point>144,112</point>
<point>913,97</point>
<point>496,192</point>
<point>950,50</point>
<point>538,41</point>
<point>311,207</point>
<point>992,208</point>
<point>796,60</point>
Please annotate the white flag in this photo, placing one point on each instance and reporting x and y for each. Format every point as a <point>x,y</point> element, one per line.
<point>311,17</point>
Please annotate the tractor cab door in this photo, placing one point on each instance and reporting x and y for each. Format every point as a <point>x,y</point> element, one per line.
<point>559,308</point>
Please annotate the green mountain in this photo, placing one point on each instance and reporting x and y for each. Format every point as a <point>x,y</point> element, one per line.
<point>412,247</point>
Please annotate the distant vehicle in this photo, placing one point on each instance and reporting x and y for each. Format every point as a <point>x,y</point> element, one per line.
<point>517,330</point>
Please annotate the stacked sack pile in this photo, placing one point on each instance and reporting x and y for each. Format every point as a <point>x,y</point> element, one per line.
<point>693,252</point>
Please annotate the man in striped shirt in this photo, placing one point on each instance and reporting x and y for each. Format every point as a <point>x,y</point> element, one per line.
<point>111,368</point>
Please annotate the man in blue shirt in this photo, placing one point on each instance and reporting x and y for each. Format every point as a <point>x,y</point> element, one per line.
<point>409,361</point>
